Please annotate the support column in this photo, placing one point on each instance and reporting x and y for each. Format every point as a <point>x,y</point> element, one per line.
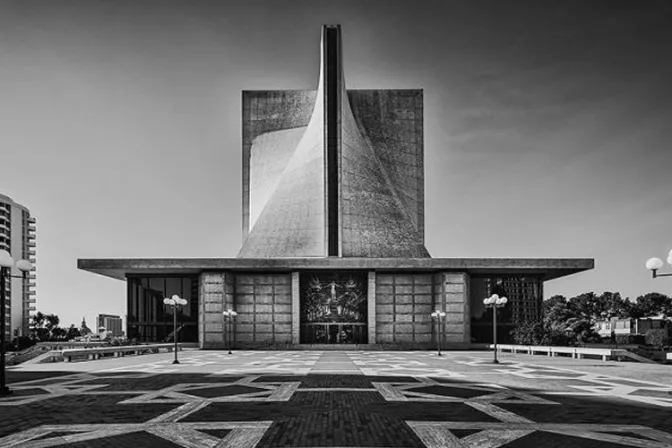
<point>296,309</point>
<point>229,302</point>
<point>454,301</point>
<point>371,307</point>
<point>211,304</point>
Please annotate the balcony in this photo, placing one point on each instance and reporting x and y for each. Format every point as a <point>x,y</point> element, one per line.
<point>31,244</point>
<point>31,220</point>
<point>31,236</point>
<point>31,253</point>
<point>31,228</point>
<point>32,260</point>
<point>31,293</point>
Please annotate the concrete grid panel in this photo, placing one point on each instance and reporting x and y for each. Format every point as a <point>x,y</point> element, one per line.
<point>404,308</point>
<point>452,296</point>
<point>212,295</point>
<point>264,309</point>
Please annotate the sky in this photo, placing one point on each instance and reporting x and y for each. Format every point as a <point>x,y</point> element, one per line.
<point>547,127</point>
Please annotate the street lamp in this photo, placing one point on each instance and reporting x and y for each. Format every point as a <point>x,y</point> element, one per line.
<point>6,264</point>
<point>438,316</point>
<point>175,301</point>
<point>494,302</point>
<point>230,318</point>
<point>653,264</point>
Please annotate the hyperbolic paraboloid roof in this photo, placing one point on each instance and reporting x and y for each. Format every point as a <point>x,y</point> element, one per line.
<point>332,172</point>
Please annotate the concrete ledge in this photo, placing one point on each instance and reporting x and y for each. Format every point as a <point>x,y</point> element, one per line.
<point>117,352</point>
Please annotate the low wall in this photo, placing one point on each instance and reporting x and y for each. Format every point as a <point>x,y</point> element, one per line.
<point>605,354</point>
<point>96,353</point>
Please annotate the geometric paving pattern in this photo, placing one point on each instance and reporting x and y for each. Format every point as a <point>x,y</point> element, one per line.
<point>481,434</point>
<point>237,434</point>
<point>276,399</point>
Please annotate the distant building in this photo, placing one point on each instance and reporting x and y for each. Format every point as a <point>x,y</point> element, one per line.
<point>629,326</point>
<point>111,323</point>
<point>17,236</point>
<point>84,330</point>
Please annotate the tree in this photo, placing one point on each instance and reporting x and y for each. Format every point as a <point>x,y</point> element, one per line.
<point>582,331</point>
<point>52,322</point>
<point>38,323</point>
<point>613,305</point>
<point>585,305</point>
<point>58,333</point>
<point>46,326</point>
<point>38,319</point>
<point>652,304</point>
<point>73,332</point>
<point>529,333</point>
<point>556,309</point>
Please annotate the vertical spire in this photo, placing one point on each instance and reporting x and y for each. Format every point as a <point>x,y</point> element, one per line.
<point>332,87</point>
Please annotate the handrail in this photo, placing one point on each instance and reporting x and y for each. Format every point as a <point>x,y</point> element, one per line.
<point>171,336</point>
<point>576,352</point>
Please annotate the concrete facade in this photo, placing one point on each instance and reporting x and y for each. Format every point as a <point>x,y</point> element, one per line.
<point>322,177</point>
<point>333,232</point>
<point>399,308</point>
<point>400,294</point>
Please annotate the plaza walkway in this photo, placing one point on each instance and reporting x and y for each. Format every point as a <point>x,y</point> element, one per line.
<point>338,399</point>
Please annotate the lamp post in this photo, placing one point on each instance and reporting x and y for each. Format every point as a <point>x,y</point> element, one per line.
<point>653,264</point>
<point>6,264</point>
<point>175,302</point>
<point>438,316</point>
<point>494,302</point>
<point>229,318</point>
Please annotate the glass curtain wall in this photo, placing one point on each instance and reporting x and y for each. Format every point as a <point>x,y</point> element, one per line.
<point>525,294</point>
<point>148,318</point>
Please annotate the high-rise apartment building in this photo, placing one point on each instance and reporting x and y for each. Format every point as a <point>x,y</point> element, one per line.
<point>17,236</point>
<point>111,323</point>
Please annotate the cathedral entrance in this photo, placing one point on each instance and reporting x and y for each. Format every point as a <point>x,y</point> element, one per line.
<point>333,308</point>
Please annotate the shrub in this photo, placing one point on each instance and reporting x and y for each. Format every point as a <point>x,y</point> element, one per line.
<point>23,342</point>
<point>656,337</point>
<point>539,333</point>
<point>625,339</point>
<point>528,333</point>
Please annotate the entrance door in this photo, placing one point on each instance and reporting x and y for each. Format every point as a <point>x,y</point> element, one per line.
<point>333,308</point>
<point>334,333</point>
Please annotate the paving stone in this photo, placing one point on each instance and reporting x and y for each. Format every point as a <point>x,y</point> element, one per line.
<point>467,399</point>
<point>131,440</point>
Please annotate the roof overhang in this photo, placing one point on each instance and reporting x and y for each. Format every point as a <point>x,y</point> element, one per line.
<point>548,268</point>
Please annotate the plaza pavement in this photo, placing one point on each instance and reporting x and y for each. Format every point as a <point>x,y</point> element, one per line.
<point>338,399</point>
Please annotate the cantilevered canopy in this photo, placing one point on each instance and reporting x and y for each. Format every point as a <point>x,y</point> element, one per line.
<point>549,268</point>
